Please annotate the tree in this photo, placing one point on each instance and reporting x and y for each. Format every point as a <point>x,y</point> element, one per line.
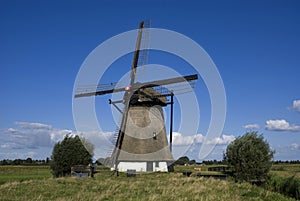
<point>182,160</point>
<point>28,161</point>
<point>192,162</point>
<point>47,160</point>
<point>68,153</point>
<point>251,158</point>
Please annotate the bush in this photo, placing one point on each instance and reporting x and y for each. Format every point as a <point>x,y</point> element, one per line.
<point>68,153</point>
<point>182,161</point>
<point>251,158</point>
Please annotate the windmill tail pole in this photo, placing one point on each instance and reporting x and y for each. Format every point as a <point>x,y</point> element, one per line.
<point>136,54</point>
<point>171,122</point>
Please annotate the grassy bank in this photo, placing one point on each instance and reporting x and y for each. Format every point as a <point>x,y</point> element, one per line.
<point>155,186</point>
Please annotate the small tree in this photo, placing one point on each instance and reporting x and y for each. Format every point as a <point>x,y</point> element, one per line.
<point>182,160</point>
<point>68,153</point>
<point>250,156</point>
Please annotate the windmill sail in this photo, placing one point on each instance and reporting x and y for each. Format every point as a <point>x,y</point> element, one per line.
<point>136,54</point>
<point>144,49</point>
<point>110,88</point>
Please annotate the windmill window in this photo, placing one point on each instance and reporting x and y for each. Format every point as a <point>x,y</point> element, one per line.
<point>154,135</point>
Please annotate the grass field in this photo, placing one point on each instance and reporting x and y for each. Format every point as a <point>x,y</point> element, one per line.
<point>35,183</point>
<point>286,170</point>
<point>22,173</point>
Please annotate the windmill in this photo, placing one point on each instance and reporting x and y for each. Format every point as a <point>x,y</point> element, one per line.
<point>141,139</point>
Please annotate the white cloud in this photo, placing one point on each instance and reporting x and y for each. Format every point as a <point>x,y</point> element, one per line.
<point>281,125</point>
<point>219,144</point>
<point>31,135</point>
<point>102,141</point>
<point>286,151</point>
<point>223,140</point>
<point>58,134</point>
<point>180,140</point>
<point>40,138</point>
<point>295,146</point>
<point>296,106</point>
<point>251,126</point>
<point>10,145</point>
<point>12,130</point>
<point>29,125</point>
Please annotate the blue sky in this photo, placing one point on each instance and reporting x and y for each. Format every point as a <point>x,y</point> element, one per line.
<point>254,44</point>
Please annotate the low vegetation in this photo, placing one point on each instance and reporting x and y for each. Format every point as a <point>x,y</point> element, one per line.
<point>157,186</point>
<point>289,186</point>
<point>105,186</point>
<point>285,179</point>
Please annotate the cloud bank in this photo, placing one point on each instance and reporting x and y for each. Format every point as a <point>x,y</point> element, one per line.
<point>251,126</point>
<point>181,140</point>
<point>295,146</point>
<point>223,140</point>
<point>35,139</point>
<point>31,135</point>
<point>281,125</point>
<point>296,106</point>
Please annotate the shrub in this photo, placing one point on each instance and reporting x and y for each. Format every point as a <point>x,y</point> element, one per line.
<point>68,153</point>
<point>251,158</point>
<point>182,161</point>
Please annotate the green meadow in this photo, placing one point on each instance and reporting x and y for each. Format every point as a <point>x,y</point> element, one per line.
<point>23,173</point>
<point>36,183</point>
<point>286,170</point>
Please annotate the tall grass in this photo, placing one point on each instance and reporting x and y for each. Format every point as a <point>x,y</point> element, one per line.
<point>154,186</point>
<point>289,186</point>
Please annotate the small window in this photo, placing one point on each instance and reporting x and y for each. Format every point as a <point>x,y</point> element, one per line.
<point>154,135</point>
<point>156,164</point>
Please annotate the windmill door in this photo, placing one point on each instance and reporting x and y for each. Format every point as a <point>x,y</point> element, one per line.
<point>149,167</point>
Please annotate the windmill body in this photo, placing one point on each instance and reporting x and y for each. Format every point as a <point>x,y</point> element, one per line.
<point>141,141</point>
<point>145,146</point>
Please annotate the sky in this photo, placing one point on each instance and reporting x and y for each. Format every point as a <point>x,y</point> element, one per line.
<point>255,46</point>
